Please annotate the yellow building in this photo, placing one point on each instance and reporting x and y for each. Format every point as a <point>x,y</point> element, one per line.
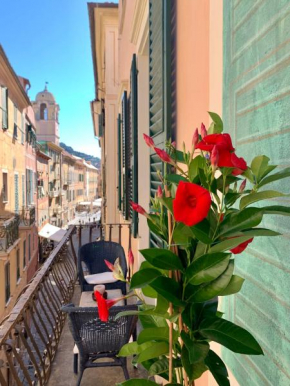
<point>17,235</point>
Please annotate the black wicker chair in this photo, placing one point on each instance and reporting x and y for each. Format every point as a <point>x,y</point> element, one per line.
<point>93,255</point>
<point>96,339</point>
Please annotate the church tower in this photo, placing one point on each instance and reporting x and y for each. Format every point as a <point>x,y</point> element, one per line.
<point>46,117</point>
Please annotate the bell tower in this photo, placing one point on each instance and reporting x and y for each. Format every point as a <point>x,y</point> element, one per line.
<point>46,116</point>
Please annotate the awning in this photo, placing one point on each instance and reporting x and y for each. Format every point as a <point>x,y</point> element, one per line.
<point>98,202</point>
<point>52,232</point>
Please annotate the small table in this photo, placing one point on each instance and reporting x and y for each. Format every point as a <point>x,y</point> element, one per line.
<point>87,299</point>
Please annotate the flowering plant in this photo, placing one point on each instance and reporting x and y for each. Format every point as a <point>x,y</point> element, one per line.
<point>204,214</point>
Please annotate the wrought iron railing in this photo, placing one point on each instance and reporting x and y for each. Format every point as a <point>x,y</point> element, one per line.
<point>29,336</point>
<point>27,216</point>
<point>9,231</point>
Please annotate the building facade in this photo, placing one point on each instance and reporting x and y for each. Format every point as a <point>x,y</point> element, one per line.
<point>18,204</point>
<point>182,59</point>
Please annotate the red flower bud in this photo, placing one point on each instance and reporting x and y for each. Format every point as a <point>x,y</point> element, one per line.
<point>173,144</point>
<point>195,138</point>
<point>159,192</point>
<point>214,157</point>
<point>138,208</point>
<point>203,131</point>
<point>149,141</point>
<point>242,186</point>
<point>241,247</point>
<point>109,265</point>
<point>130,257</point>
<point>165,157</point>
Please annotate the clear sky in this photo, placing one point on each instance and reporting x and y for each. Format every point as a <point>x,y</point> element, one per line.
<point>50,41</point>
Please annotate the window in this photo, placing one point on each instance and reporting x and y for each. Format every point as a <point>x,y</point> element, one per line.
<point>17,265</point>
<point>16,193</point>
<point>23,190</point>
<point>5,187</point>
<point>43,111</point>
<point>29,247</point>
<point>22,129</point>
<point>24,254</point>
<point>7,282</point>
<point>15,130</point>
<point>4,104</point>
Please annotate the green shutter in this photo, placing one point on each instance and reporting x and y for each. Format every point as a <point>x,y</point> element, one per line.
<point>134,139</point>
<point>16,193</point>
<point>159,86</point>
<point>256,105</point>
<point>119,163</point>
<point>4,97</point>
<point>125,155</point>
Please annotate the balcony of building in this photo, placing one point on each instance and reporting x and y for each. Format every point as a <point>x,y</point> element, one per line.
<point>9,231</point>
<point>27,216</point>
<point>36,346</point>
<point>54,192</point>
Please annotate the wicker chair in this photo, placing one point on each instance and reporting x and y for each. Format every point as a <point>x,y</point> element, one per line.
<point>96,339</point>
<point>93,255</point>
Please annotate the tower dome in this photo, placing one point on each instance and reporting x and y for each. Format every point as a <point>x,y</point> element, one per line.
<point>45,96</point>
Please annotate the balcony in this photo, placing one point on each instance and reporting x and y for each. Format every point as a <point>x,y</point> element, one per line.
<point>9,231</point>
<point>27,217</point>
<point>66,180</point>
<point>54,193</point>
<point>35,342</point>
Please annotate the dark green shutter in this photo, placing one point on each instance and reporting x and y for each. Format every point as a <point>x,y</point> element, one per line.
<point>119,163</point>
<point>5,108</point>
<point>125,155</point>
<point>159,86</point>
<point>134,139</point>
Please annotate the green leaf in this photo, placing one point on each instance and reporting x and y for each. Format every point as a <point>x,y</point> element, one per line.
<point>143,277</point>
<point>162,365</point>
<point>137,382</point>
<point>149,292</point>
<point>197,351</point>
<point>234,286</point>
<point>275,177</point>
<point>231,198</point>
<point>254,232</point>
<point>260,167</point>
<point>196,164</point>
<point>218,123</point>
<point>169,289</point>
<point>181,234</point>
<point>178,156</point>
<point>155,229</point>
<point>217,368</point>
<point>228,334</point>
<point>201,231</point>
<point>133,348</point>
<point>276,209</point>
<point>175,178</point>
<point>211,290</point>
<point>249,175</point>
<point>207,268</point>
<point>168,203</point>
<point>156,333</point>
<point>162,304</point>
<point>162,258</point>
<point>154,351</point>
<point>229,244</point>
<point>244,219</point>
<point>193,371</point>
<point>254,197</point>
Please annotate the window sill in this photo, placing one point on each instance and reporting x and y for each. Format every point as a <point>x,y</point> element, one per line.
<point>8,301</point>
<point>5,202</point>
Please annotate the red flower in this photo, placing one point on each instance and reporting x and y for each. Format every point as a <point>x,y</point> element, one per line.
<point>203,131</point>
<point>104,305</point>
<point>241,247</point>
<point>191,204</point>
<point>159,192</point>
<point>230,160</point>
<point>165,157</point>
<point>195,138</point>
<point>242,186</point>
<point>222,141</point>
<point>109,265</point>
<point>149,141</point>
<point>138,208</point>
<point>130,257</point>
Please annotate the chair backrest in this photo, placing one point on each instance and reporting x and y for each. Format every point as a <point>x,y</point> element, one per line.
<point>94,254</point>
<point>94,336</point>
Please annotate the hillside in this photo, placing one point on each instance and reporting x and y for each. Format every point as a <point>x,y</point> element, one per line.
<point>94,160</point>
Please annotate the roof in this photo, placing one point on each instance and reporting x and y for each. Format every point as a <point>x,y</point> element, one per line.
<point>91,7</point>
<point>42,154</point>
<point>45,96</point>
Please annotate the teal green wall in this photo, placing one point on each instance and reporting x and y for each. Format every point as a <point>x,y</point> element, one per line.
<point>256,111</point>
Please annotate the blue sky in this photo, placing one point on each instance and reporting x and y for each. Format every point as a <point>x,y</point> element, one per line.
<point>50,41</point>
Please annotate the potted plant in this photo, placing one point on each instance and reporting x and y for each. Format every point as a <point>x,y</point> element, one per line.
<point>207,209</point>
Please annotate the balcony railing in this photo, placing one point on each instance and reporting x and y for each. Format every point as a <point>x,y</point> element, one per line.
<point>54,193</point>
<point>9,231</point>
<point>27,216</point>
<point>29,336</point>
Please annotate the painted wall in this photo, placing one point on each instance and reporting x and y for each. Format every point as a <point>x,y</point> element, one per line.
<point>256,112</point>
